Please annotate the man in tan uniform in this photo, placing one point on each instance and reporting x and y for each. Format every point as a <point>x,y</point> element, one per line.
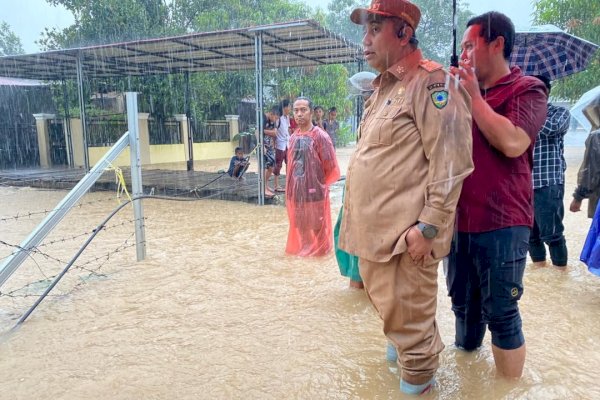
<point>403,184</point>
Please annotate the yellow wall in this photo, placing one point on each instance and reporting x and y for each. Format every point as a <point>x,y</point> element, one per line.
<point>166,153</point>
<point>155,154</point>
<point>214,150</point>
<point>169,153</point>
<point>97,152</point>
<point>77,142</point>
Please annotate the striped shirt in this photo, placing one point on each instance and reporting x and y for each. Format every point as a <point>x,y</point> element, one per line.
<point>548,159</point>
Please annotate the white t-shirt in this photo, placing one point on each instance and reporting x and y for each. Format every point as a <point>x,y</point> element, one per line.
<point>283,133</point>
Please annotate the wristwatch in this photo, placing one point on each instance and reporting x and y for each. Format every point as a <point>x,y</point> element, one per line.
<point>428,231</point>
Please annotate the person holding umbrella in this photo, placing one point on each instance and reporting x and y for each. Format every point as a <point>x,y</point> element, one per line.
<point>403,183</point>
<point>549,167</point>
<point>495,211</point>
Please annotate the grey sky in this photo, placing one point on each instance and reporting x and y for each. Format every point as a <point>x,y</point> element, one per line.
<point>27,18</point>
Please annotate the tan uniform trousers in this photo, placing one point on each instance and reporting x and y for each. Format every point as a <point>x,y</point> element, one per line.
<point>405,296</point>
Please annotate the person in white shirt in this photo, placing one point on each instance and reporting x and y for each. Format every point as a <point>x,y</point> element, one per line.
<point>281,143</point>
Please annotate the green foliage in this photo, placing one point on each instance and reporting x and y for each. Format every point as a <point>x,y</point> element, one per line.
<point>205,16</point>
<point>325,86</point>
<point>345,135</point>
<point>338,19</point>
<point>109,21</point>
<point>435,29</point>
<point>10,44</point>
<point>580,18</point>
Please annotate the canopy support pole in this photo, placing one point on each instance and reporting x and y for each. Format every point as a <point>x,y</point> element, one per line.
<point>86,156</point>
<point>188,114</point>
<point>454,58</point>
<point>359,101</point>
<point>258,54</point>
<point>67,127</point>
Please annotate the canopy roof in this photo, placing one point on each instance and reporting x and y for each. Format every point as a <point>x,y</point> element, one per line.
<point>290,44</point>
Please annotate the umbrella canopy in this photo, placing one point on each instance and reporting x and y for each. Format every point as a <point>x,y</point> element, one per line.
<point>587,109</point>
<point>361,83</point>
<point>592,113</point>
<point>547,50</point>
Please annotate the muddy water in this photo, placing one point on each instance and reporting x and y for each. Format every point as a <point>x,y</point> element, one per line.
<point>218,311</point>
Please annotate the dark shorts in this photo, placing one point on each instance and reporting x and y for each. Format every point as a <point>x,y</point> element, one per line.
<point>269,158</point>
<point>485,282</point>
<point>280,157</point>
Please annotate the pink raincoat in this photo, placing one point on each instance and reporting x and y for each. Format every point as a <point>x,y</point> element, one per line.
<point>311,168</point>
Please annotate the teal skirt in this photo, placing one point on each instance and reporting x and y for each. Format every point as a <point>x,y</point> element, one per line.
<point>347,262</point>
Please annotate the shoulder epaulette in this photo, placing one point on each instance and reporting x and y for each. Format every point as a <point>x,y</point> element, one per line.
<point>429,65</point>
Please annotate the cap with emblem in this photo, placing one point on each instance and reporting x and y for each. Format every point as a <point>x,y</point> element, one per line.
<point>402,9</point>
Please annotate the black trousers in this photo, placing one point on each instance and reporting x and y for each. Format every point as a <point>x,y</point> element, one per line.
<point>548,225</point>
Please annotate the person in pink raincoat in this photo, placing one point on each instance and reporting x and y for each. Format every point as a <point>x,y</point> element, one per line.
<point>312,167</point>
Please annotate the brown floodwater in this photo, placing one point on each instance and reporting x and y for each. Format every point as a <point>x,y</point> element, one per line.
<point>218,311</point>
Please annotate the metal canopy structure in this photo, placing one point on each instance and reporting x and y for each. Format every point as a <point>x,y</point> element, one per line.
<point>291,44</point>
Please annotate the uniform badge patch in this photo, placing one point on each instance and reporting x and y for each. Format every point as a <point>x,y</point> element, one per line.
<point>440,99</point>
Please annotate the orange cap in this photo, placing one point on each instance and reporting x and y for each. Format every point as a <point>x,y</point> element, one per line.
<point>402,9</point>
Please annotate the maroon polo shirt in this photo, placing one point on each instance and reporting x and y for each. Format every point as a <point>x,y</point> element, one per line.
<point>499,193</point>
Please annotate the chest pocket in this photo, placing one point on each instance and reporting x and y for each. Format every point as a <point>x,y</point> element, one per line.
<point>381,129</point>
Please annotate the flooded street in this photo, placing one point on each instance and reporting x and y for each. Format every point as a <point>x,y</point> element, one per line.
<point>218,311</point>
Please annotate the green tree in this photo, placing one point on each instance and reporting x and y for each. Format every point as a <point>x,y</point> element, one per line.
<point>204,15</point>
<point>10,44</point>
<point>338,19</point>
<point>325,85</point>
<point>109,21</point>
<point>580,18</point>
<point>435,29</point>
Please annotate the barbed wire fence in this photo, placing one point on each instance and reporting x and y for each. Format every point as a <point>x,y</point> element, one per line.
<point>45,262</point>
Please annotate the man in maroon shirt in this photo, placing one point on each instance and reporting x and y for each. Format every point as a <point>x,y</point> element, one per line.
<point>495,209</point>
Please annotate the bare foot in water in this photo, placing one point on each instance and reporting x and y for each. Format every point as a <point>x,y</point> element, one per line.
<point>356,284</point>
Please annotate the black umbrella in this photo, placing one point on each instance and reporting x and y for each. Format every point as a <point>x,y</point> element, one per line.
<point>547,50</point>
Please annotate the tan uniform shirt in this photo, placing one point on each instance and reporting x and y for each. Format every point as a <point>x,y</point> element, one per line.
<point>414,151</point>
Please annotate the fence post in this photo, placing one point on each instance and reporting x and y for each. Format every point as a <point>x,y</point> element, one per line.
<point>144,138</point>
<point>136,173</point>
<point>234,125</point>
<point>77,142</point>
<point>183,128</point>
<point>41,123</point>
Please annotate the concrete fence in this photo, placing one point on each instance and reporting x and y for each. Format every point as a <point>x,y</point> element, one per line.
<point>150,153</point>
